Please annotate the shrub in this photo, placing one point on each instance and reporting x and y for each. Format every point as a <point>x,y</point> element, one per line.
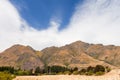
<point>20,72</point>
<point>89,73</point>
<point>82,71</point>
<point>90,69</point>
<point>75,72</point>
<point>37,70</point>
<point>8,69</point>
<point>75,69</point>
<point>99,73</point>
<point>108,69</point>
<point>99,68</point>
<point>67,72</point>
<point>59,73</point>
<point>6,76</point>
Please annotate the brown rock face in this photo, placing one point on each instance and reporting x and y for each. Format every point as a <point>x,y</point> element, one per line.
<point>109,54</point>
<point>20,56</point>
<point>77,54</point>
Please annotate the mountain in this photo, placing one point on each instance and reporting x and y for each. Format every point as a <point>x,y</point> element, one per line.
<point>20,56</point>
<point>77,54</point>
<point>109,54</point>
<point>73,55</point>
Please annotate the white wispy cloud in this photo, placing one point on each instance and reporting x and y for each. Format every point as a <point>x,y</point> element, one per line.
<point>96,21</point>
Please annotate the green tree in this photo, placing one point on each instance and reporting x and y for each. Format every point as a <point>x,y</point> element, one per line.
<point>99,68</point>
<point>75,69</point>
<point>90,69</point>
<point>82,71</point>
<point>37,70</point>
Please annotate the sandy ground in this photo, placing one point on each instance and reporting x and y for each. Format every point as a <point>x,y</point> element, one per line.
<point>113,75</point>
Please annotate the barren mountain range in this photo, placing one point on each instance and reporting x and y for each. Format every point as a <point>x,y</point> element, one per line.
<point>78,54</point>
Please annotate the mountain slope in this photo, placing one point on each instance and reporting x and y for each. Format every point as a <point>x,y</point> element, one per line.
<point>109,53</point>
<point>72,55</point>
<point>77,54</point>
<point>20,56</point>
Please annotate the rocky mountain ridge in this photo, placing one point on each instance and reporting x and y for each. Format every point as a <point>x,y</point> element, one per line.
<point>77,54</point>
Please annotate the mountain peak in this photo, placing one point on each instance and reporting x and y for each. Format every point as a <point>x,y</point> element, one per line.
<point>77,42</point>
<point>20,56</point>
<point>19,47</point>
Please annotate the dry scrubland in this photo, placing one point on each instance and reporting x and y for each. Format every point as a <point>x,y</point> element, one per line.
<point>113,75</point>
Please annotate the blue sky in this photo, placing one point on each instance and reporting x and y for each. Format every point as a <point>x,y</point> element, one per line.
<point>45,23</point>
<point>38,13</point>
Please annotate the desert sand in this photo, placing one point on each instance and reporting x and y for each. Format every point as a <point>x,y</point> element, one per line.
<point>113,75</point>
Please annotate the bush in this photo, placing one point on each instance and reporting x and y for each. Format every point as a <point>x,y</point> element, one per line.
<point>99,68</point>
<point>89,73</point>
<point>8,69</point>
<point>20,73</point>
<point>59,73</point>
<point>75,69</point>
<point>67,72</point>
<point>82,71</point>
<point>99,73</point>
<point>90,69</point>
<point>37,70</point>
<point>108,69</point>
<point>75,72</point>
<point>6,76</point>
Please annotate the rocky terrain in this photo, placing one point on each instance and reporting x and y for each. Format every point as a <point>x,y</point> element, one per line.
<point>20,56</point>
<point>78,54</point>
